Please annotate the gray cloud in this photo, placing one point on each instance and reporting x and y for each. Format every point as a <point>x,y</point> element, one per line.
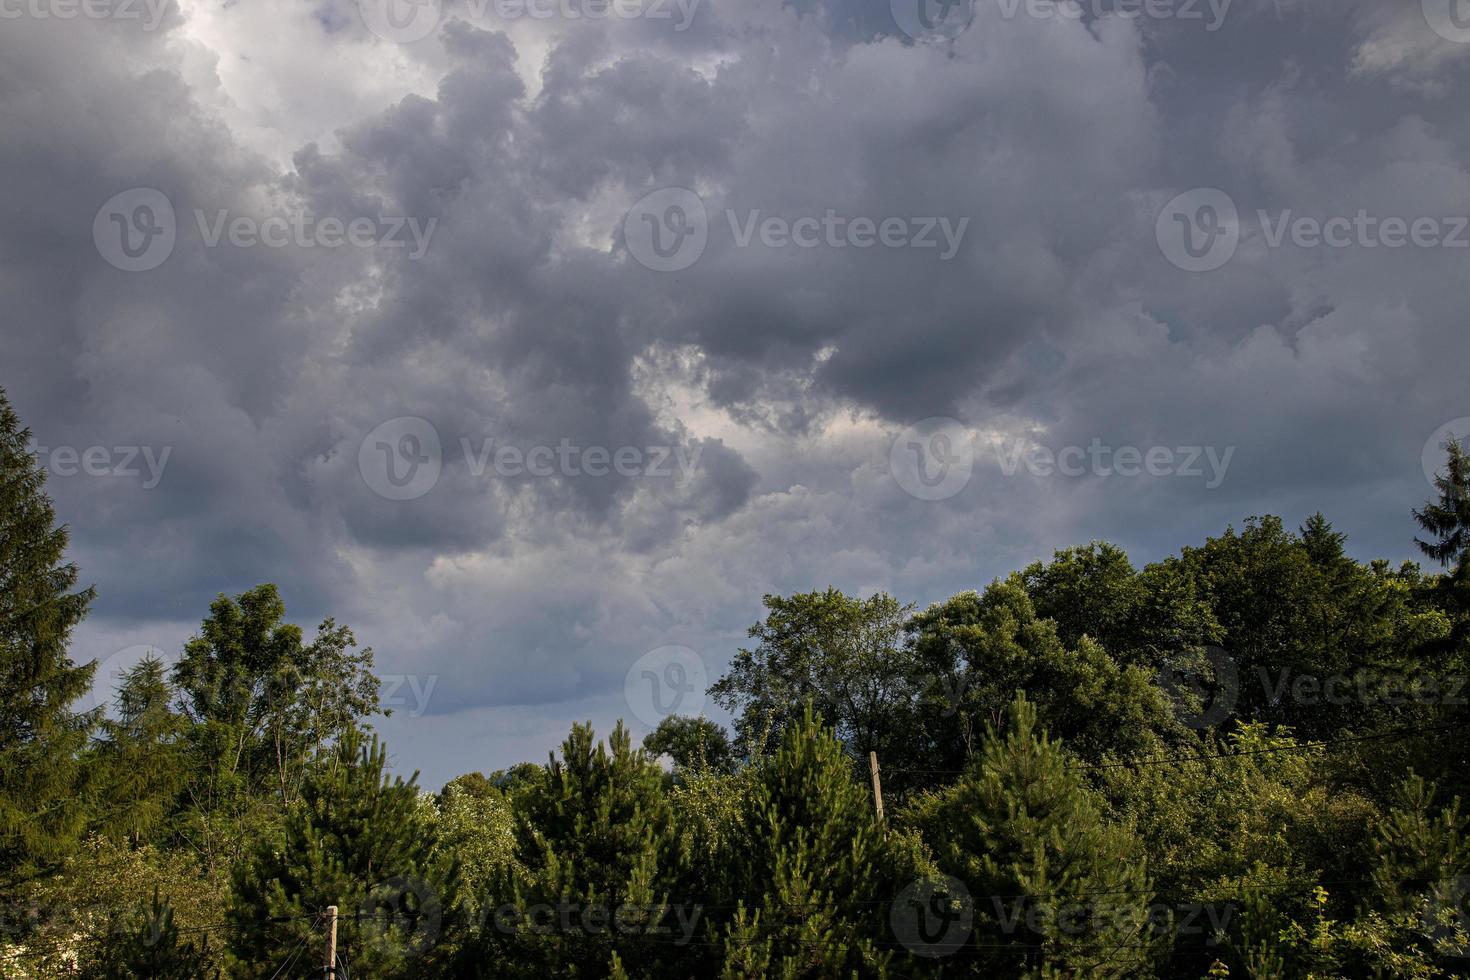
<point>788,371</point>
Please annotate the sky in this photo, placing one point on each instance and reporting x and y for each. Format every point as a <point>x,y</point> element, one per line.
<point>537,340</point>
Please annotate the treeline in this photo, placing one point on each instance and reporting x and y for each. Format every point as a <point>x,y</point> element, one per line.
<point>1246,760</point>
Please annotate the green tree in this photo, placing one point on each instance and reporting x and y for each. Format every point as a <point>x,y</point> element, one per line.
<point>1058,889</point>
<point>1242,819</point>
<point>152,946</point>
<point>1419,845</point>
<point>358,839</point>
<point>1410,924</point>
<point>474,825</point>
<point>140,763</point>
<point>40,738</point>
<point>809,867</point>
<point>262,704</point>
<point>1294,612</point>
<point>1447,523</point>
<point>695,744</point>
<point>842,654</point>
<point>1137,617</point>
<point>1448,518</point>
<point>980,649</point>
<point>603,871</point>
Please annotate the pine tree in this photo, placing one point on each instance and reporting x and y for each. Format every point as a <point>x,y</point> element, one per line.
<point>151,946</point>
<point>1057,890</point>
<point>1419,846</point>
<point>600,866</point>
<point>809,868</point>
<point>359,840</point>
<point>40,738</point>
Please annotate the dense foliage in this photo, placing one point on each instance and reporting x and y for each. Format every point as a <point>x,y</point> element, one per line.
<point>1245,760</point>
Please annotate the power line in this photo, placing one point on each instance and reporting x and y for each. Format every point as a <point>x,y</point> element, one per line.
<point>316,922</point>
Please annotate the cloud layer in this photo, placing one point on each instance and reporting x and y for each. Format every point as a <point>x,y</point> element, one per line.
<point>756,392</point>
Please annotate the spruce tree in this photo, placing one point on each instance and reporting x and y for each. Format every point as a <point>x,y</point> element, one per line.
<point>1057,890</point>
<point>1447,521</point>
<point>1448,518</point>
<point>140,763</point>
<point>40,815</point>
<point>359,840</point>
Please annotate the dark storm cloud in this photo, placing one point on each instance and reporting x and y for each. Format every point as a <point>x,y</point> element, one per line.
<point>784,372</point>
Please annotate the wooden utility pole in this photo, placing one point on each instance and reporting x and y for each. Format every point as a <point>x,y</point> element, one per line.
<point>331,964</point>
<point>877,785</point>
